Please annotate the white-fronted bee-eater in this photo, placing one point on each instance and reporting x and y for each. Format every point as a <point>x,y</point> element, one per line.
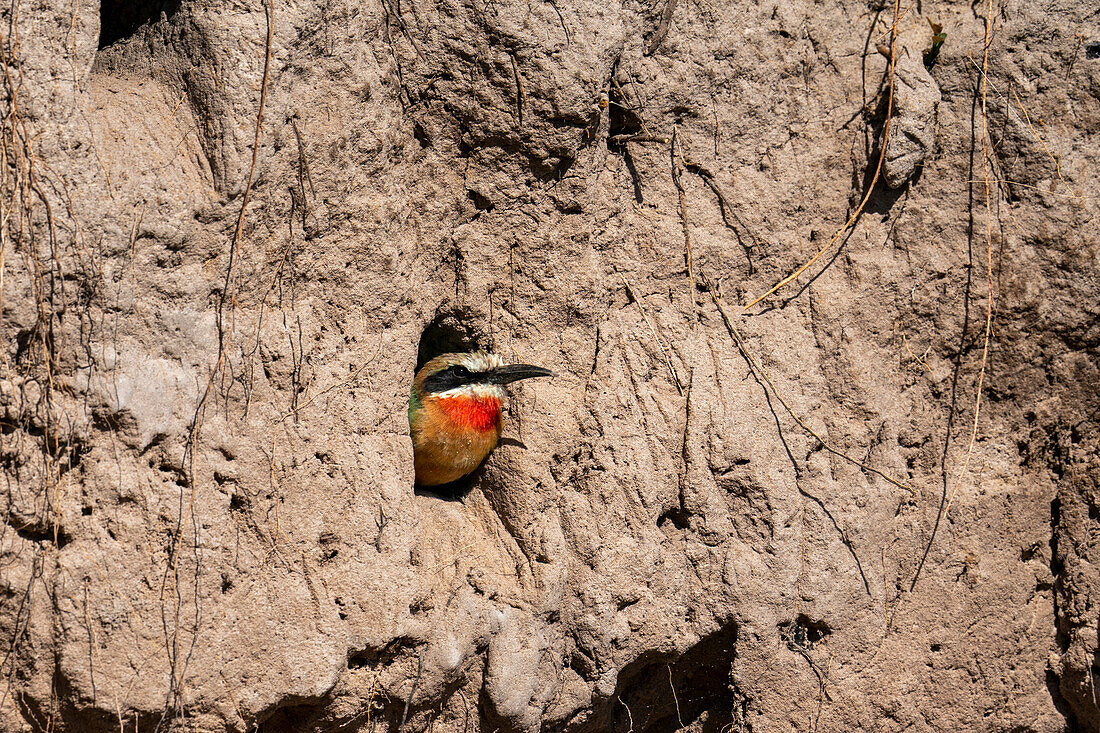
<point>454,412</point>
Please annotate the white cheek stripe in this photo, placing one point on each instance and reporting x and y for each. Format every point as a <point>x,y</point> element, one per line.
<point>474,391</point>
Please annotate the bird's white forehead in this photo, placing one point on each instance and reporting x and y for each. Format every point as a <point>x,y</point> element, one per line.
<point>480,361</point>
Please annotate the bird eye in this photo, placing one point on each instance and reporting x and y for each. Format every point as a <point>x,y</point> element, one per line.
<point>460,371</point>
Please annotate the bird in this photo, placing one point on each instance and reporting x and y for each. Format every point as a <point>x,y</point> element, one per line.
<point>454,412</point>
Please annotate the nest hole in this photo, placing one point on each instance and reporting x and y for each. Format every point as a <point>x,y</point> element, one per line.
<point>449,332</point>
<point>120,19</point>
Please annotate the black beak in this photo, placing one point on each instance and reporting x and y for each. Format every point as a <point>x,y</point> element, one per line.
<point>514,372</point>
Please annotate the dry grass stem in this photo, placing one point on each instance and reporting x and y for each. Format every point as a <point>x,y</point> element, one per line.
<point>919,360</point>
<point>629,716</point>
<point>675,699</point>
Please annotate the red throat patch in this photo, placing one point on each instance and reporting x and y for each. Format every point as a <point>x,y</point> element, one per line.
<point>472,413</point>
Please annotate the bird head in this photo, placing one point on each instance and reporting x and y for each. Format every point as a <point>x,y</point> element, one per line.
<point>469,386</point>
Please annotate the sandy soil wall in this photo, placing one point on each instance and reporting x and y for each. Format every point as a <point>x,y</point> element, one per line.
<point>868,501</point>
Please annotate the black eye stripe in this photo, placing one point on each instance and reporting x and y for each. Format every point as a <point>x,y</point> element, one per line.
<point>450,378</point>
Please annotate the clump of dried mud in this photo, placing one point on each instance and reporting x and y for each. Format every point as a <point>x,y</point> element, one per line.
<point>231,230</point>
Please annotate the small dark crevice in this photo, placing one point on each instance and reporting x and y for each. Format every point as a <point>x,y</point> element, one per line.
<point>157,440</point>
<point>179,478</point>
<point>24,339</point>
<point>42,533</point>
<point>563,166</point>
<point>803,633</point>
<point>1054,685</point>
<point>677,516</point>
<point>1056,570</point>
<point>622,119</point>
<point>731,468</point>
<point>329,542</point>
<point>374,657</point>
<point>623,122</point>
<point>239,502</point>
<point>481,203</point>
<point>625,603</point>
<point>635,177</point>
